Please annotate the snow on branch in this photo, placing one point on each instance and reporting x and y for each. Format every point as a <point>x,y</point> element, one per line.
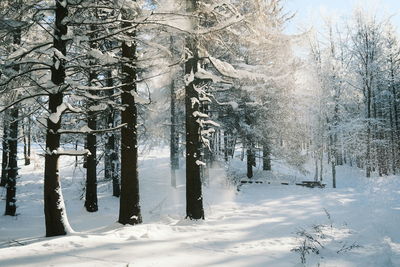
<point>62,152</point>
<point>86,130</point>
<point>221,26</point>
<point>55,117</point>
<point>224,68</point>
<point>21,100</point>
<point>103,58</point>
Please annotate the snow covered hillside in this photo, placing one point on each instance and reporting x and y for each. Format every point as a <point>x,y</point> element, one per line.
<point>260,225</point>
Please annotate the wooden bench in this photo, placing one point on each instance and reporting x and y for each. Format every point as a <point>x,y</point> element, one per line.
<point>259,182</point>
<point>311,184</point>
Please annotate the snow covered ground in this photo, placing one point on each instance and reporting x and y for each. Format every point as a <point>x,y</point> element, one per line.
<point>356,224</point>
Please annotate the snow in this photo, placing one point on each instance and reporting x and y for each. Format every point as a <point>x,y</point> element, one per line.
<point>202,74</point>
<point>224,68</point>
<point>71,152</point>
<point>199,114</point>
<point>99,107</point>
<point>56,116</point>
<point>139,99</point>
<point>103,58</point>
<point>63,3</point>
<point>255,226</point>
<point>189,78</point>
<point>200,163</point>
<point>194,101</point>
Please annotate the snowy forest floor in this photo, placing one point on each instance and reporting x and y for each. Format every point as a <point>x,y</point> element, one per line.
<point>356,224</point>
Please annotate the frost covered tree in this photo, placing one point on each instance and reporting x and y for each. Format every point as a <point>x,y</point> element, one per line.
<point>255,111</point>
<point>355,75</point>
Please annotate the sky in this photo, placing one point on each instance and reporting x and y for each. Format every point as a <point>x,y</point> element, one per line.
<point>313,12</point>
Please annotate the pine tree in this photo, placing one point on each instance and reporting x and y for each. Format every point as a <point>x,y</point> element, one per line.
<point>55,217</point>
<point>129,212</point>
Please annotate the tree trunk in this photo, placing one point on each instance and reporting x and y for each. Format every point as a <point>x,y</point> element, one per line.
<point>194,197</point>
<point>12,163</point>
<point>393,144</point>
<point>27,141</point>
<point>91,172</point>
<point>174,137</point>
<point>316,167</point>
<point>333,174</point>
<point>129,212</point>
<point>266,158</point>
<point>226,152</point>
<point>54,210</point>
<point>91,161</point>
<point>111,162</point>
<point>28,162</point>
<point>250,159</point>
<point>321,164</point>
<point>5,153</point>
<point>194,201</point>
<point>12,145</point>
<point>368,155</point>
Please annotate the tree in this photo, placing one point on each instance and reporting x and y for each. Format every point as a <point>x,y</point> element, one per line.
<point>55,216</point>
<point>12,135</point>
<point>194,197</point>
<point>129,212</point>
<point>91,140</point>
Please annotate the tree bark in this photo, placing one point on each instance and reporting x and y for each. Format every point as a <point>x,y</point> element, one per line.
<point>250,160</point>
<point>226,138</point>
<point>4,163</point>
<point>333,174</point>
<point>12,145</point>
<point>12,164</point>
<point>91,142</point>
<point>27,141</point>
<point>91,170</point>
<point>194,196</point>
<point>129,212</point>
<point>111,162</point>
<point>55,216</point>
<point>174,137</point>
<point>266,158</point>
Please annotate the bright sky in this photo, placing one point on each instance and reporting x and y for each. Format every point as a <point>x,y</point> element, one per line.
<point>312,12</point>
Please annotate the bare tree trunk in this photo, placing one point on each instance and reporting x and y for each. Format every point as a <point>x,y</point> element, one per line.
<point>316,167</point>
<point>250,161</point>
<point>4,163</point>
<point>226,138</point>
<point>27,141</point>
<point>12,145</point>
<point>266,158</point>
<point>174,137</point>
<point>194,197</point>
<point>368,155</point>
<point>393,144</point>
<point>91,172</point>
<point>111,162</point>
<point>333,174</point>
<point>321,164</point>
<point>28,162</point>
<point>91,204</point>
<point>129,212</point>
<point>76,157</point>
<point>55,216</point>
<point>12,164</point>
